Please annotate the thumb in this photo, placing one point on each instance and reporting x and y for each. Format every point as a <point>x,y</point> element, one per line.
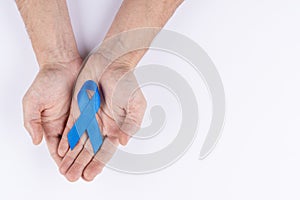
<point>133,119</point>
<point>127,130</point>
<point>32,120</point>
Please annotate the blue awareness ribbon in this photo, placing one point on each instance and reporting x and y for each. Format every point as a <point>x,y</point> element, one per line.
<point>87,120</point>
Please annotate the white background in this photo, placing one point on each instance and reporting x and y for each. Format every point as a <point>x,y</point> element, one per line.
<point>255,45</point>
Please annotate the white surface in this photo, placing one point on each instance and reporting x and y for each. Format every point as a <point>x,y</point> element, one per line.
<point>255,45</point>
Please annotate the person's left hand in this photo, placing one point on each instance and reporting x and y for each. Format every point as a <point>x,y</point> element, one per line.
<point>47,102</point>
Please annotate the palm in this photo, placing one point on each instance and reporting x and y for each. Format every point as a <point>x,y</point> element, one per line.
<point>47,103</point>
<point>122,96</point>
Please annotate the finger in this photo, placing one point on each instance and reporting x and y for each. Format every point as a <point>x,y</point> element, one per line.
<point>84,157</point>
<point>63,146</point>
<point>52,143</point>
<point>94,168</point>
<point>127,130</point>
<point>75,171</point>
<point>107,150</point>
<point>71,155</point>
<point>32,119</point>
<point>134,117</point>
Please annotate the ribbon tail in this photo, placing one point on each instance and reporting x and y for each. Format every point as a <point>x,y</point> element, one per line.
<point>73,137</point>
<point>95,135</point>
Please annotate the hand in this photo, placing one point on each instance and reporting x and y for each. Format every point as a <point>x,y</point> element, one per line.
<point>120,116</point>
<point>46,103</point>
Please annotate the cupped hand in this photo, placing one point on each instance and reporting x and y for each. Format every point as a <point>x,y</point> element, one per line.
<point>46,104</point>
<point>120,116</point>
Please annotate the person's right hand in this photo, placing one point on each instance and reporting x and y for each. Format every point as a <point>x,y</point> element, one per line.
<point>119,117</point>
<point>46,104</point>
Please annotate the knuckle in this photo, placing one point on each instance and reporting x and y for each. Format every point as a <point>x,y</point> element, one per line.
<point>69,158</point>
<point>97,162</point>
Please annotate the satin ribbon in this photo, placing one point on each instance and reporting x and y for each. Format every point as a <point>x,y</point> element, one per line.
<point>87,119</point>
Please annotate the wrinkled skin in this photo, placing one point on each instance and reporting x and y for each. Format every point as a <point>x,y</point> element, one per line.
<point>46,104</point>
<point>120,116</point>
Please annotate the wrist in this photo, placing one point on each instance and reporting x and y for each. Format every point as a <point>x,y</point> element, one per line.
<point>129,60</point>
<point>112,61</point>
<point>70,68</point>
<point>57,56</point>
<point>128,47</point>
